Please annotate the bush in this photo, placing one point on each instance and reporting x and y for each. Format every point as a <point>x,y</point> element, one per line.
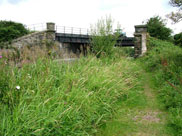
<point>157,28</point>
<point>178,39</point>
<point>11,30</point>
<point>103,38</point>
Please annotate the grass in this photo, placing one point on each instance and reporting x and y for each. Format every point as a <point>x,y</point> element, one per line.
<point>106,96</point>
<point>164,64</point>
<point>143,117</point>
<point>65,99</point>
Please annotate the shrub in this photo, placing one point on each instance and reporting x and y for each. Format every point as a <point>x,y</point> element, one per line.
<point>103,38</point>
<point>178,39</point>
<point>11,30</point>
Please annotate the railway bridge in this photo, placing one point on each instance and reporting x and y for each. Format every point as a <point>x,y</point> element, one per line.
<point>75,38</point>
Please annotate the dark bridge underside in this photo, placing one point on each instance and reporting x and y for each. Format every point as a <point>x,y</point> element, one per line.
<point>85,39</point>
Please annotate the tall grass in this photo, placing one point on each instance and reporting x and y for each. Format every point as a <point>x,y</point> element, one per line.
<point>63,99</point>
<point>164,62</point>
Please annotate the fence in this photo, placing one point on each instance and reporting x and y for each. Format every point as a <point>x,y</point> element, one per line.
<point>72,30</point>
<point>59,29</point>
<point>36,27</point>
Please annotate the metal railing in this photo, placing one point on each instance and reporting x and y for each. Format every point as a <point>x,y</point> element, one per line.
<point>72,30</point>
<point>36,27</point>
<point>59,29</point>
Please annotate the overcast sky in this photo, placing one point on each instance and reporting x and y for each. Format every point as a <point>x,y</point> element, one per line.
<point>82,13</point>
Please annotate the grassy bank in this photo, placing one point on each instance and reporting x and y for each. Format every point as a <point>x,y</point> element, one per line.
<point>113,95</point>
<point>164,64</point>
<point>52,98</point>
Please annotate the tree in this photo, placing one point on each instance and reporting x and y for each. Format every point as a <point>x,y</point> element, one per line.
<point>176,16</point>
<point>178,39</point>
<point>156,27</point>
<point>10,30</point>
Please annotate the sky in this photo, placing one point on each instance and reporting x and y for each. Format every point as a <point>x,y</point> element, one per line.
<point>83,13</point>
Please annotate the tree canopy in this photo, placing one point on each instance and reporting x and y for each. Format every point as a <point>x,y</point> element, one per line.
<point>156,27</point>
<point>10,30</point>
<point>178,39</point>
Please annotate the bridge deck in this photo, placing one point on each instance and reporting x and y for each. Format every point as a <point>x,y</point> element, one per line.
<point>85,39</point>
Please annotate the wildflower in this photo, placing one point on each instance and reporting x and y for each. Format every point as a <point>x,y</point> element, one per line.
<point>1,57</point>
<point>18,87</point>
<point>29,76</point>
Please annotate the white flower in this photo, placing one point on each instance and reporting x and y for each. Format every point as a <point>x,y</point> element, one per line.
<point>18,87</point>
<point>29,76</point>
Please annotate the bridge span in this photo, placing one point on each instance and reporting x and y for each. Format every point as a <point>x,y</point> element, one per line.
<point>86,39</point>
<point>82,37</point>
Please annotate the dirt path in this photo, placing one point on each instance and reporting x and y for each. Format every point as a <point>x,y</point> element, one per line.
<point>144,119</point>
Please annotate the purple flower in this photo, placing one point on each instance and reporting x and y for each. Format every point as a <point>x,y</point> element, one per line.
<point>1,57</point>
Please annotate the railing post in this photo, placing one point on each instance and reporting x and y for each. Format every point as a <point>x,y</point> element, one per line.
<point>140,40</point>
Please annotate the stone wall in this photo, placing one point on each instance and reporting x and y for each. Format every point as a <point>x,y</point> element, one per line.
<point>34,39</point>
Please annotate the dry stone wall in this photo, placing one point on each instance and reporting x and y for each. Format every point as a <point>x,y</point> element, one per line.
<point>34,39</point>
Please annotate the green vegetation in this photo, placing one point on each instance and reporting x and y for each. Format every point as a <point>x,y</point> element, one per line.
<point>49,98</point>
<point>103,38</point>
<point>11,30</point>
<point>105,94</point>
<point>164,63</point>
<point>178,39</point>
<point>156,27</point>
<point>162,84</point>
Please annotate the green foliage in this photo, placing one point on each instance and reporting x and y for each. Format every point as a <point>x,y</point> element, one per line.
<point>164,62</point>
<point>64,99</point>
<point>178,39</point>
<point>103,38</point>
<point>157,28</point>
<point>125,51</point>
<point>11,30</point>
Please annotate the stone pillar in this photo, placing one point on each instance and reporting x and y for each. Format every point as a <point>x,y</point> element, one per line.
<point>140,40</point>
<point>51,32</point>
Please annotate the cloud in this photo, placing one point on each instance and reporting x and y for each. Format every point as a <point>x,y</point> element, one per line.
<point>11,1</point>
<point>82,13</point>
<point>14,1</point>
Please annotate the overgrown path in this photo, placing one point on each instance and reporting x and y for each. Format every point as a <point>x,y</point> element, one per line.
<point>144,118</point>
